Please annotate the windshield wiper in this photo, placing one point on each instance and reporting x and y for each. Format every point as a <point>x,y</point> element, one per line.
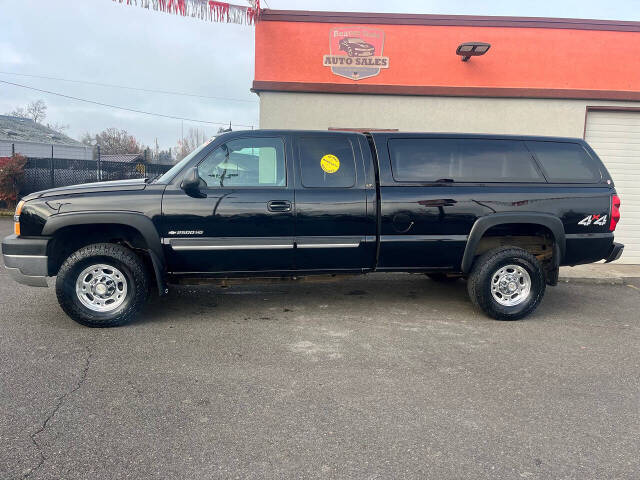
<point>445,180</point>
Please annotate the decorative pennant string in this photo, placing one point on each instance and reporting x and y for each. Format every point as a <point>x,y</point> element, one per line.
<point>212,11</point>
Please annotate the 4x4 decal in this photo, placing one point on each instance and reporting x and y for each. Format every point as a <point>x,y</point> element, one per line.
<point>593,219</point>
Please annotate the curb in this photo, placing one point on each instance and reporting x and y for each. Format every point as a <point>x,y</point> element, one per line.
<point>597,280</point>
<point>593,280</point>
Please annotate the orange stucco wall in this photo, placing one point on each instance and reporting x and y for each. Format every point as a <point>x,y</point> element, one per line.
<point>542,58</point>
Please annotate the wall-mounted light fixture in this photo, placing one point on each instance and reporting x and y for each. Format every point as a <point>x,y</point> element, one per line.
<point>472,49</point>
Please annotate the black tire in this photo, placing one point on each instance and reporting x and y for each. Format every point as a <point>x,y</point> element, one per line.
<point>123,259</point>
<point>442,277</point>
<point>480,279</point>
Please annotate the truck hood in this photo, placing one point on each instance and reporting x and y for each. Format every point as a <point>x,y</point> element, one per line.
<point>111,186</point>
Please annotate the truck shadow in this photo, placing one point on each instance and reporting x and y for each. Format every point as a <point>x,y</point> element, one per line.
<point>371,295</point>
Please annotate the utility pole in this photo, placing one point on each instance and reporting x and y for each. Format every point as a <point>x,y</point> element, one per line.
<point>99,173</point>
<point>157,152</point>
<point>52,170</point>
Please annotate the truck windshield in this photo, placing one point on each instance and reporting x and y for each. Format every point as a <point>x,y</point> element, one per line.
<point>173,171</point>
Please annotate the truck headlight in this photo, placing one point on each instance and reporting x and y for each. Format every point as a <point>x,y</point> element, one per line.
<point>16,218</point>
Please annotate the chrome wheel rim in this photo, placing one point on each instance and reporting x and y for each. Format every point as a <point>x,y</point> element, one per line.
<point>101,288</point>
<point>510,285</point>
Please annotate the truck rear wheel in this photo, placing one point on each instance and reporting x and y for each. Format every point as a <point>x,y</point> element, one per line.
<point>506,283</point>
<point>102,285</point>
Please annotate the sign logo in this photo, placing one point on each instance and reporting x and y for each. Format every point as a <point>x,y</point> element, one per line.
<point>356,52</point>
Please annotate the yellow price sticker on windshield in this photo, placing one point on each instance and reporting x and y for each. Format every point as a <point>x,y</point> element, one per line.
<point>330,163</point>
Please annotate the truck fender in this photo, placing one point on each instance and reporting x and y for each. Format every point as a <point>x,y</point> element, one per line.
<point>483,224</point>
<point>140,222</point>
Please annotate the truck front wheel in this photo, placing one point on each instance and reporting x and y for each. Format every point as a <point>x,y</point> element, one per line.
<point>102,285</point>
<point>506,283</point>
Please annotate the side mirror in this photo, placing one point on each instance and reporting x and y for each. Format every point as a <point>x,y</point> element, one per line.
<point>193,185</point>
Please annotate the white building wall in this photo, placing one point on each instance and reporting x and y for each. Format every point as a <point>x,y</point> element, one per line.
<point>73,152</point>
<point>5,149</point>
<point>319,111</point>
<point>43,150</point>
<point>615,136</point>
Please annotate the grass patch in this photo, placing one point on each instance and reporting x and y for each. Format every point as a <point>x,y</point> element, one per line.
<point>6,213</point>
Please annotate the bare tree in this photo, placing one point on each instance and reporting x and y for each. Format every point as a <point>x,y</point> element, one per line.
<point>19,112</point>
<point>112,140</point>
<point>164,157</point>
<point>88,139</point>
<point>36,111</point>
<point>58,127</point>
<point>194,138</point>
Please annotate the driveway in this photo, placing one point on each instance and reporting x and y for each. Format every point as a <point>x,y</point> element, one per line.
<point>384,376</point>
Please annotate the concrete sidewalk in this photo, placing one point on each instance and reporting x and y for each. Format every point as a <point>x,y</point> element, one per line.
<point>601,273</point>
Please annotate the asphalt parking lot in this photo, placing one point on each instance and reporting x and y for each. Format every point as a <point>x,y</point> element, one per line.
<point>385,376</point>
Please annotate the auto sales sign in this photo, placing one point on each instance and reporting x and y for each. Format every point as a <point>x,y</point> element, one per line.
<point>356,52</point>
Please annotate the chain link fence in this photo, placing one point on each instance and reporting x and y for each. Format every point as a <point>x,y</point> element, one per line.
<point>44,173</point>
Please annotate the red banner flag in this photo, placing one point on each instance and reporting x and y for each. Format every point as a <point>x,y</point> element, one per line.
<point>210,10</point>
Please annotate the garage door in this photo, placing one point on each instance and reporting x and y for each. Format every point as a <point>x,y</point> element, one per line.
<point>615,136</point>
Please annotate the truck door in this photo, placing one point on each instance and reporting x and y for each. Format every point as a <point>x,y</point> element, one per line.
<point>335,223</point>
<point>245,223</point>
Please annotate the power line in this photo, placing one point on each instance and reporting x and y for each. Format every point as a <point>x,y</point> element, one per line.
<point>148,90</point>
<point>174,117</point>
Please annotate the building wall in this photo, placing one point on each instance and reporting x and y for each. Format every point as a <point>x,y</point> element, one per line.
<point>43,150</point>
<point>529,58</point>
<point>320,111</point>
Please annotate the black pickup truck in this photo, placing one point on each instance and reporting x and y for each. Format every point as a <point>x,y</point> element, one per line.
<point>503,212</point>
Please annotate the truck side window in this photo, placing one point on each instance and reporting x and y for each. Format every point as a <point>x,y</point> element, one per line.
<point>245,162</point>
<point>565,162</point>
<point>462,160</point>
<point>327,161</point>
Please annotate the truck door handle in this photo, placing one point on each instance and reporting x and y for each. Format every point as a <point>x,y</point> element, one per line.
<point>279,206</point>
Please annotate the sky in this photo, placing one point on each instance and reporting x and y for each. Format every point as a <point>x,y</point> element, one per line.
<point>102,41</point>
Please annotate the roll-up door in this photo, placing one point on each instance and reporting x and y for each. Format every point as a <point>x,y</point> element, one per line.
<point>615,136</point>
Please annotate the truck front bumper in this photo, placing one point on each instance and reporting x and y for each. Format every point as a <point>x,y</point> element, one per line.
<point>615,253</point>
<point>26,260</point>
